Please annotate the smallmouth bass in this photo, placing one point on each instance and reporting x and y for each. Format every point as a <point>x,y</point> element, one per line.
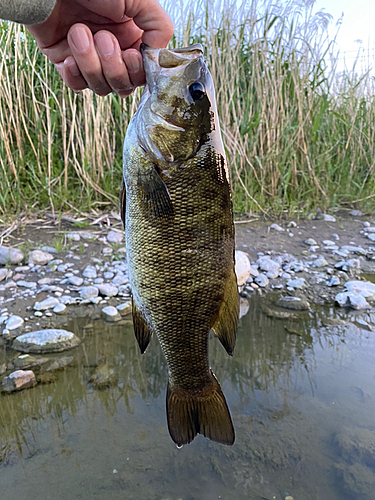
<point>177,212</point>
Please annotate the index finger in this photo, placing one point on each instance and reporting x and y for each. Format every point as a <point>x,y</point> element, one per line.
<point>150,17</point>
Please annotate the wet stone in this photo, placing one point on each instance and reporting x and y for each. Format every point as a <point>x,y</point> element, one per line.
<point>107,290</point>
<point>295,303</point>
<point>125,308</point>
<point>13,323</point>
<point>242,267</point>
<point>89,292</point>
<point>351,299</point>
<point>46,304</point>
<point>89,272</point>
<point>59,364</point>
<point>39,258</point>
<point>11,256</point>
<point>19,380</point>
<point>26,361</point>
<point>45,341</point>
<point>261,280</point>
<point>60,309</point>
<point>103,377</point>
<point>110,313</point>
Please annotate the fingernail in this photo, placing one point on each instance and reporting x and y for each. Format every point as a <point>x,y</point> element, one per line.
<point>72,67</point>
<point>80,39</point>
<point>133,63</point>
<point>104,44</point>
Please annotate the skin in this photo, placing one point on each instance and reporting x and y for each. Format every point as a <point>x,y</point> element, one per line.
<point>95,43</point>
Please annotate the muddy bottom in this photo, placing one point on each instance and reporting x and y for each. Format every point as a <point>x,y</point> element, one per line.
<point>301,392</point>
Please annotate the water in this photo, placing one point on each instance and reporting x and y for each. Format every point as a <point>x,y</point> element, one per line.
<point>302,405</point>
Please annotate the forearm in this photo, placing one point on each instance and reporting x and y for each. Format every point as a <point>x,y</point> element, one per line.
<point>26,11</point>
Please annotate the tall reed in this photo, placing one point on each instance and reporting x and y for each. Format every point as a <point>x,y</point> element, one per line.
<point>298,132</point>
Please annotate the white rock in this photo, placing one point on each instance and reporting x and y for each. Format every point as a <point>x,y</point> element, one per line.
<point>89,272</point>
<point>351,299</point>
<point>48,303</point>
<point>75,280</point>
<point>107,290</point>
<point>115,237</point>
<point>60,309</point>
<point>18,380</point>
<point>3,274</point>
<point>39,258</point>
<point>327,218</point>
<point>14,322</point>
<point>276,227</point>
<point>73,236</point>
<point>110,313</point>
<point>364,288</point>
<point>11,256</point>
<point>120,279</point>
<point>107,251</point>
<point>49,340</point>
<point>89,292</point>
<point>125,308</point>
<point>26,284</point>
<point>244,306</point>
<point>242,267</point>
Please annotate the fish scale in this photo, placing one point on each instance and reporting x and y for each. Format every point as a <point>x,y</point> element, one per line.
<point>180,249</point>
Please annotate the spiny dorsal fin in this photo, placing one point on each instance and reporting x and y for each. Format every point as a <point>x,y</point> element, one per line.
<point>155,193</point>
<point>225,325</point>
<point>141,329</point>
<point>199,412</point>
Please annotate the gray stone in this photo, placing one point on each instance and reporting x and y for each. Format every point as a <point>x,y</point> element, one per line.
<point>356,213</point>
<point>89,272</point>
<point>49,249</point>
<point>353,249</point>
<point>261,280</point>
<point>242,267</point>
<point>19,380</point>
<point>73,236</point>
<point>98,281</point>
<point>297,283</point>
<point>333,281</point>
<point>103,377</point>
<point>115,237</point>
<point>371,236</point>
<point>110,313</point>
<point>14,322</point>
<point>48,303</point>
<point>297,266</point>
<point>89,292</point>
<point>370,229</point>
<point>25,361</point>
<point>120,279</point>
<point>329,243</point>
<point>60,363</point>
<point>44,341</point>
<point>125,308</point>
<point>320,262</point>
<point>11,256</point>
<point>108,275</point>
<point>351,265</point>
<point>39,258</point>
<point>310,242</point>
<point>60,309</point>
<point>295,303</point>
<point>3,274</point>
<point>364,288</point>
<point>276,227</point>
<point>326,217</point>
<point>107,251</point>
<point>26,284</point>
<point>266,264</point>
<point>75,280</point>
<point>107,290</point>
<point>351,299</point>
<point>254,272</point>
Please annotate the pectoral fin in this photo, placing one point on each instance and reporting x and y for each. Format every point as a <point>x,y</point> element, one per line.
<point>142,331</point>
<point>155,193</point>
<point>225,325</point>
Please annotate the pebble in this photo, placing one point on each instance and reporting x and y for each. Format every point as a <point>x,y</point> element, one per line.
<point>88,292</point>
<point>310,242</point>
<point>292,224</point>
<point>295,303</point>
<point>120,279</point>
<point>356,213</point>
<point>261,281</point>
<point>107,290</point>
<point>276,227</point>
<point>49,249</point>
<point>125,308</point>
<point>266,264</point>
<point>45,281</point>
<point>39,258</point>
<point>98,281</point>
<point>370,229</point>
<point>326,217</point>
<point>3,274</point>
<point>242,267</point>
<point>351,299</point>
<point>73,236</point>
<point>89,272</point>
<point>110,313</point>
<point>18,380</point>
<point>297,283</point>
<point>26,284</point>
<point>60,309</point>
<point>371,236</point>
<point>366,224</point>
<point>115,237</point>
<point>108,275</point>
<point>107,251</point>
<point>48,303</point>
<point>10,255</point>
<point>75,280</point>
<point>320,262</point>
<point>333,281</point>
<point>38,314</point>
<point>14,322</point>
<point>43,341</point>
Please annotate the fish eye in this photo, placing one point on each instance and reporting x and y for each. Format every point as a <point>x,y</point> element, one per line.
<point>197,90</point>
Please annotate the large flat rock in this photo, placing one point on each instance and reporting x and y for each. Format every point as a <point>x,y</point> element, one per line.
<point>44,341</point>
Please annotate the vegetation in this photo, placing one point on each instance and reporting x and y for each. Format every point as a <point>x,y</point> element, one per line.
<point>298,133</point>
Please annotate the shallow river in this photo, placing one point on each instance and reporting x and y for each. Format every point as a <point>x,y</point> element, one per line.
<point>303,406</point>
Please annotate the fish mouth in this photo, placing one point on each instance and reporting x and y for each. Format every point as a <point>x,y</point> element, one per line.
<point>171,58</point>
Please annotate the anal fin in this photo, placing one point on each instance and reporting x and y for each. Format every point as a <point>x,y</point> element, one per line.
<point>225,324</point>
<point>142,331</point>
<point>199,412</point>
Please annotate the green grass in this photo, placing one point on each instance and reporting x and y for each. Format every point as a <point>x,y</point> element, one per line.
<point>298,134</point>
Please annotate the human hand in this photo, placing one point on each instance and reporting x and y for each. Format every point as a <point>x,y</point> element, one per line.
<point>95,43</point>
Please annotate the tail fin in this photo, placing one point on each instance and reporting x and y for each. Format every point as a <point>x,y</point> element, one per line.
<point>199,412</point>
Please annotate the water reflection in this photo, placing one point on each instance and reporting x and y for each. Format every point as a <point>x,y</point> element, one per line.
<point>292,385</point>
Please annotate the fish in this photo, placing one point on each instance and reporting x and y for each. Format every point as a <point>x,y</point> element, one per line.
<point>177,212</point>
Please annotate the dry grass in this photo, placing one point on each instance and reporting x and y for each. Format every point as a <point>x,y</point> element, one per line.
<point>298,134</point>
